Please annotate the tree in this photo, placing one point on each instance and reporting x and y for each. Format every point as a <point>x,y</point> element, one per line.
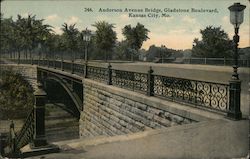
<point>22,35</point>
<point>7,37</point>
<point>158,52</point>
<point>70,34</point>
<point>214,43</point>
<point>105,38</point>
<point>122,51</point>
<point>135,36</point>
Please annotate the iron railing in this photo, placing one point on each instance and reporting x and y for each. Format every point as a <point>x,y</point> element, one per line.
<point>205,94</point>
<point>15,141</point>
<point>97,73</point>
<point>130,80</point>
<point>213,96</point>
<point>79,69</point>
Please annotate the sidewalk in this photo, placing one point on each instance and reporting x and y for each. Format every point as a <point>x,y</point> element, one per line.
<point>209,139</point>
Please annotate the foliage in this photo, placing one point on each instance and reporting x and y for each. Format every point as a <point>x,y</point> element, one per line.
<point>135,36</point>
<point>70,33</point>
<point>244,53</point>
<point>158,52</point>
<point>105,37</point>
<point>15,95</point>
<point>23,35</point>
<point>214,43</point>
<point>122,51</point>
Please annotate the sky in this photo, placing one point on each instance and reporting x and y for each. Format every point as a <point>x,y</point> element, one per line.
<point>175,30</point>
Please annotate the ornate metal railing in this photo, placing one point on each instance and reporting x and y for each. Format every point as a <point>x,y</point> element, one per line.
<point>16,141</point>
<point>205,94</point>
<point>130,80</point>
<point>214,96</point>
<point>58,64</point>
<point>67,66</point>
<point>97,73</point>
<point>79,69</point>
<point>51,63</point>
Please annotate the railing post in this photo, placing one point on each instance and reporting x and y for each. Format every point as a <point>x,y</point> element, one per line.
<point>109,82</point>
<point>13,139</point>
<point>72,66</point>
<point>31,61</point>
<point>85,70</point>
<point>39,118</point>
<point>234,100</point>
<point>54,63</point>
<point>47,62</point>
<point>62,64</point>
<point>43,62</point>
<point>150,88</point>
<point>38,62</point>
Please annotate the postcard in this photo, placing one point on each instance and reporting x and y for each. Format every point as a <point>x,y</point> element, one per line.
<point>124,79</point>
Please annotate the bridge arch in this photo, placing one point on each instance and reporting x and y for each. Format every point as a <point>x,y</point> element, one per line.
<point>68,87</point>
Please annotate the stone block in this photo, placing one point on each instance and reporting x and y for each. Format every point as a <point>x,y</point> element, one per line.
<point>162,121</point>
<point>129,102</point>
<point>141,106</point>
<point>114,107</point>
<point>117,103</point>
<point>155,111</point>
<point>168,115</point>
<point>140,126</point>
<point>119,98</point>
<point>114,118</point>
<point>123,123</point>
<point>177,119</point>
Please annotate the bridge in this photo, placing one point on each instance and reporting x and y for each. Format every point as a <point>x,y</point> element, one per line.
<point>109,99</point>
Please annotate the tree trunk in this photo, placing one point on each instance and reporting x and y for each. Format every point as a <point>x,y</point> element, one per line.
<point>26,54</point>
<point>30,53</point>
<point>106,59</point>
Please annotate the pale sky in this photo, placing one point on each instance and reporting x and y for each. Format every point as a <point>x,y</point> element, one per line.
<point>176,31</point>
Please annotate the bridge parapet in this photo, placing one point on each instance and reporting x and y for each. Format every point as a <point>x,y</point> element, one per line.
<point>202,94</point>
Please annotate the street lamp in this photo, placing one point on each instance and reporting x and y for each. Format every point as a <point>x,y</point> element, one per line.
<point>86,36</point>
<point>39,52</point>
<point>236,18</point>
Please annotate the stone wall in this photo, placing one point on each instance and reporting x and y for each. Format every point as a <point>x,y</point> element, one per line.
<point>29,72</point>
<point>113,111</point>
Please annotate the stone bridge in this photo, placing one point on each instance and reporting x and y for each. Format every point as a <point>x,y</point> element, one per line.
<point>113,100</point>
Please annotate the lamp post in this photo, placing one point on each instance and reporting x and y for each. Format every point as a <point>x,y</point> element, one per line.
<point>236,18</point>
<point>39,52</point>
<point>86,36</point>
